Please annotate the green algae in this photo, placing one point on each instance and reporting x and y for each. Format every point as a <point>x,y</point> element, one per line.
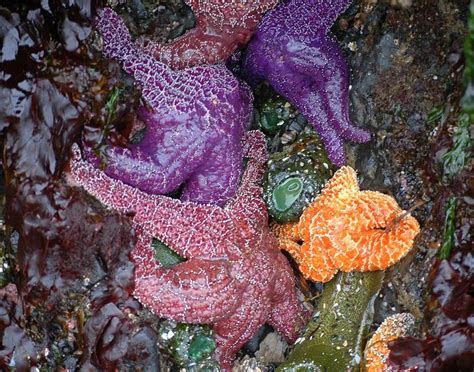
<point>435,115</point>
<point>165,255</point>
<point>295,177</point>
<point>335,337</point>
<point>458,156</point>
<point>449,229</point>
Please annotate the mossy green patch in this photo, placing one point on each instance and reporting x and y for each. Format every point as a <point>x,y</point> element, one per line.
<point>165,255</point>
<point>335,337</point>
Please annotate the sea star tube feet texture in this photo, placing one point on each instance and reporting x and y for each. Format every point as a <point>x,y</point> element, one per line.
<point>377,351</point>
<point>221,27</point>
<point>234,278</point>
<point>193,132</point>
<point>349,230</point>
<point>294,51</point>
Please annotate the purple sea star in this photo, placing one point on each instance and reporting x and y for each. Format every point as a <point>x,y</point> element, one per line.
<point>294,51</point>
<point>235,278</point>
<point>193,133</point>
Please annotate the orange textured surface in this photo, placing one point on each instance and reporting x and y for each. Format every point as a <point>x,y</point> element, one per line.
<point>376,351</point>
<point>348,229</point>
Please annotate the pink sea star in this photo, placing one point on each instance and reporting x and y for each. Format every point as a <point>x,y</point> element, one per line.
<point>235,277</point>
<point>294,51</point>
<point>221,27</point>
<point>193,133</point>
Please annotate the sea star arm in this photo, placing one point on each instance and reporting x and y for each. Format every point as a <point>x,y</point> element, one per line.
<point>187,228</point>
<point>292,247</point>
<point>315,262</point>
<point>232,333</point>
<point>376,210</point>
<point>322,65</point>
<point>311,255</point>
<point>288,231</point>
<point>197,291</point>
<point>319,15</point>
<point>308,18</point>
<point>332,200</point>
<point>306,66</point>
<point>248,199</point>
<point>255,149</point>
<point>302,90</point>
<point>142,256</point>
<point>342,186</point>
<point>118,45</point>
<point>288,315</point>
<point>319,89</point>
<point>387,232</point>
<point>221,27</point>
<point>377,351</point>
<point>107,190</point>
<point>155,164</point>
<point>282,317</point>
<point>200,46</point>
<point>288,237</point>
<point>137,168</point>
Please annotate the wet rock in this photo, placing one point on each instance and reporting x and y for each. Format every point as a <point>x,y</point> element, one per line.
<point>272,350</point>
<point>406,75</point>
<point>157,20</point>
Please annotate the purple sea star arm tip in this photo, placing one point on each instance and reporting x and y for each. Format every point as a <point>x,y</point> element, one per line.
<point>304,64</point>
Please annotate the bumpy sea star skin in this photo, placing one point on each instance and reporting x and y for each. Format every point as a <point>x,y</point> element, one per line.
<point>221,27</point>
<point>193,133</point>
<point>348,229</point>
<point>376,351</point>
<point>235,278</point>
<point>293,50</point>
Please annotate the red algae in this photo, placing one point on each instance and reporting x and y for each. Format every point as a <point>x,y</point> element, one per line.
<point>450,343</point>
<point>74,307</point>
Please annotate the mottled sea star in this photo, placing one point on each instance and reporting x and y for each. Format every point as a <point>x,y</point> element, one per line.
<point>348,229</point>
<point>235,278</point>
<point>193,133</point>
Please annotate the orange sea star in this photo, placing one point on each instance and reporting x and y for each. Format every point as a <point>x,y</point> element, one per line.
<point>348,229</point>
<point>376,351</point>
